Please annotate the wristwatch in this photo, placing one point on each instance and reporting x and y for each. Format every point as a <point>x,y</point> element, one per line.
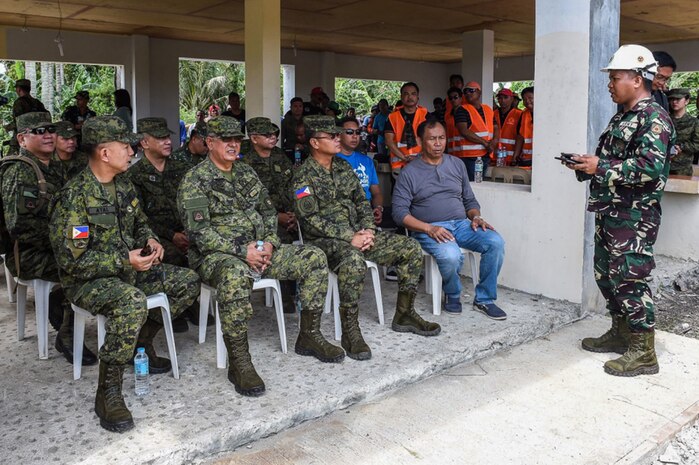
<point>479,217</point>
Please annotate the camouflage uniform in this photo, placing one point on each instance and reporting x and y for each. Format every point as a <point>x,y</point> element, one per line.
<point>157,191</point>
<point>687,129</point>
<point>92,234</point>
<point>625,195</point>
<point>78,161</point>
<point>184,155</point>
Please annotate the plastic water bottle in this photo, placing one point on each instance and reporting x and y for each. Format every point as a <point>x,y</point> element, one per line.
<point>479,170</point>
<point>297,158</point>
<point>256,276</point>
<point>502,154</point>
<point>141,370</point>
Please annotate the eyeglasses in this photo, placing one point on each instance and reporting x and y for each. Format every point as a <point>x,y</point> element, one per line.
<point>468,90</point>
<point>43,130</point>
<point>352,132</point>
<point>662,78</point>
<point>331,137</point>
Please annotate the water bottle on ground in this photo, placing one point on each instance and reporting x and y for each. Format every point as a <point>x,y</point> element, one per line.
<point>141,370</point>
<point>502,154</point>
<point>479,170</point>
<point>256,276</point>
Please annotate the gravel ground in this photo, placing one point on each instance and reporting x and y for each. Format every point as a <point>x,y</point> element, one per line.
<point>677,311</point>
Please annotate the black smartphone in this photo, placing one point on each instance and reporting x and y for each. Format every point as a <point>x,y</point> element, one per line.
<point>567,158</point>
<point>147,250</point>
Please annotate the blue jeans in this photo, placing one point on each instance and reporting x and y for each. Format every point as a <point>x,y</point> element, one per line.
<point>470,163</point>
<point>449,258</point>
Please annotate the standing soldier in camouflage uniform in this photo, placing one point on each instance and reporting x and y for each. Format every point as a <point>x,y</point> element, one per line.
<point>226,210</point>
<point>686,148</point>
<point>628,174</point>
<point>26,214</point>
<point>335,216</point>
<point>275,171</point>
<point>195,150</point>
<point>24,103</point>
<point>72,160</point>
<point>101,238</point>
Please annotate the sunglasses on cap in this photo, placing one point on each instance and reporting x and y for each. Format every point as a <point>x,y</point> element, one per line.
<point>43,130</point>
<point>352,132</point>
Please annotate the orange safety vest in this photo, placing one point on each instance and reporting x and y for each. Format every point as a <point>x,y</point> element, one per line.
<point>453,136</point>
<point>508,132</point>
<point>526,130</point>
<point>462,147</point>
<point>398,124</point>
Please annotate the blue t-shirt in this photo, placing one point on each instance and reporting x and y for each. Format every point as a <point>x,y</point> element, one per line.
<point>380,124</point>
<point>363,167</point>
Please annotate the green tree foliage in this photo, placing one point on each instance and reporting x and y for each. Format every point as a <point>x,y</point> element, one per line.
<point>362,94</point>
<point>204,83</point>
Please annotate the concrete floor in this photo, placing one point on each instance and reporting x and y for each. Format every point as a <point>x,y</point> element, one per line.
<point>545,402</point>
<point>46,417</point>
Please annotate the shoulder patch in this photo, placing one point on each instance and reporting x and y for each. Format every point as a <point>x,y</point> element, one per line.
<point>305,191</point>
<point>656,128</point>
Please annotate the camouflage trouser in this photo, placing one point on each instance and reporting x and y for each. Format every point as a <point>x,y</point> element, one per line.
<point>173,255</point>
<point>125,305</point>
<point>682,164</point>
<point>388,249</point>
<point>231,278</point>
<point>623,261</point>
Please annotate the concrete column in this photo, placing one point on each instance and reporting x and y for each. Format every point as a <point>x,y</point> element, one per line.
<point>262,57</point>
<point>289,85</point>
<point>478,51</point>
<point>573,40</point>
<point>138,75</point>
<point>327,73</point>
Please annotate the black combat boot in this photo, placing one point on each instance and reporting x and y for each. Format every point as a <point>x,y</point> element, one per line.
<point>352,340</point>
<point>640,359</point>
<point>614,340</point>
<point>157,365</point>
<point>241,371</point>
<point>312,342</point>
<point>406,319</point>
<point>109,401</point>
<point>64,341</point>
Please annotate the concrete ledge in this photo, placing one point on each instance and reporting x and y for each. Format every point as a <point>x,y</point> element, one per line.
<point>682,184</point>
<point>48,418</point>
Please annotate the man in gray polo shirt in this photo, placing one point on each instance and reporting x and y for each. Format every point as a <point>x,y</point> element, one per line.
<point>433,199</point>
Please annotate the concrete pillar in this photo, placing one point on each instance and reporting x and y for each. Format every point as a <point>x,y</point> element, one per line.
<point>573,40</point>
<point>289,86</point>
<point>327,73</point>
<point>138,75</point>
<point>478,52</point>
<point>262,58</point>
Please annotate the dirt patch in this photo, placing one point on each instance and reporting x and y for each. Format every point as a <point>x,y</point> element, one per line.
<point>677,305</point>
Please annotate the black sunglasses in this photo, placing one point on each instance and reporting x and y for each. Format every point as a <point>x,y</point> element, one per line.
<point>352,132</point>
<point>470,91</point>
<point>43,130</point>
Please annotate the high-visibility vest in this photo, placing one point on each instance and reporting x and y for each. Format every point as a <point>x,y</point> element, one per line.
<point>508,132</point>
<point>453,136</point>
<point>484,129</point>
<point>398,124</point>
<point>526,130</point>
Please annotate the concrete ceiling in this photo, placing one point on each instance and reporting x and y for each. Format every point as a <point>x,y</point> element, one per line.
<point>411,29</point>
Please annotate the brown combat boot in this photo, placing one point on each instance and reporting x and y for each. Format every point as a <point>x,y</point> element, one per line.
<point>109,401</point>
<point>312,342</point>
<point>640,359</point>
<point>241,371</point>
<point>352,340</point>
<point>614,340</point>
<point>407,320</point>
<point>157,365</point>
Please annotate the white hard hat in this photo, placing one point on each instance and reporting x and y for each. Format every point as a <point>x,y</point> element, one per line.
<point>634,58</point>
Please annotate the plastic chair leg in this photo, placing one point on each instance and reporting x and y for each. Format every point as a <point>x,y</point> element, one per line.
<point>10,281</point>
<point>204,308</point>
<point>375,277</point>
<point>436,281</point>
<point>41,301</point>
<point>474,271</point>
<point>21,310</point>
<point>277,294</point>
<point>101,330</point>
<point>170,338</point>
<point>220,346</point>
<point>336,308</point>
<point>78,339</point>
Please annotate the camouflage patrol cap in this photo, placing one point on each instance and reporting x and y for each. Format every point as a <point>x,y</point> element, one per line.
<point>23,83</point>
<point>224,126</point>
<point>321,123</point>
<point>102,129</point>
<point>261,125</point>
<point>32,120</point>
<point>199,129</point>
<point>681,92</point>
<point>66,130</point>
<point>153,126</point>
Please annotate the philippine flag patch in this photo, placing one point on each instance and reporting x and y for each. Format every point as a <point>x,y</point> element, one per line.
<point>81,232</point>
<point>303,192</point>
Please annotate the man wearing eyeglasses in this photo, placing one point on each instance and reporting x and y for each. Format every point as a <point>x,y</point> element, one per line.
<point>666,67</point>
<point>335,216</point>
<point>232,226</point>
<point>26,210</point>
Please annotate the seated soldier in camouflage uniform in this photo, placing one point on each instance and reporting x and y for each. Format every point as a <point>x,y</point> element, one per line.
<point>110,261</point>
<point>686,147</point>
<point>226,211</point>
<point>275,171</point>
<point>335,216</point>
<point>72,160</point>
<point>194,150</point>
<point>27,219</point>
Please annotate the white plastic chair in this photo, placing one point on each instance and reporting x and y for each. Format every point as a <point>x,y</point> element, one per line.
<point>433,278</point>
<point>80,315</point>
<point>42,289</point>
<point>10,281</point>
<point>207,301</point>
